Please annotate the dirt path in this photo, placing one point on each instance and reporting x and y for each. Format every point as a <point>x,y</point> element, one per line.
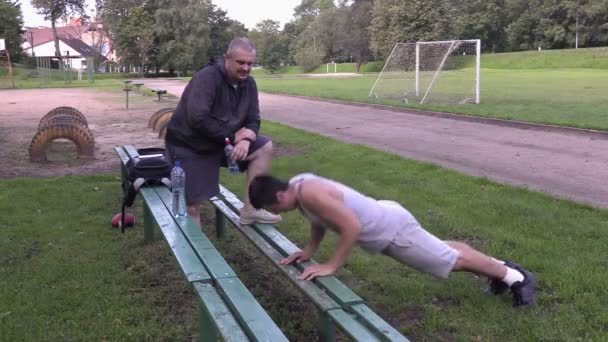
<point>110,122</point>
<point>569,164</point>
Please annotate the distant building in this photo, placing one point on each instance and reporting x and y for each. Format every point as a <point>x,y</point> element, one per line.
<point>76,40</point>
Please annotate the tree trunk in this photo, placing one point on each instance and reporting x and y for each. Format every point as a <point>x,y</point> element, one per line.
<point>358,66</point>
<point>55,38</point>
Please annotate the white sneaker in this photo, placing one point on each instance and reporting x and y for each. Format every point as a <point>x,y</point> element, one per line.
<point>258,216</point>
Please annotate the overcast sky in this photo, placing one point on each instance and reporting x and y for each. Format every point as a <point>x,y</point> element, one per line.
<point>248,12</point>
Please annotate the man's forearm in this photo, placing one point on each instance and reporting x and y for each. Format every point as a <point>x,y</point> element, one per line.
<point>346,242</point>
<point>244,134</point>
<point>316,236</point>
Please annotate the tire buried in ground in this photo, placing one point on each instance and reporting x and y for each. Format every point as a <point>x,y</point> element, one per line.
<point>82,138</point>
<point>163,131</point>
<point>162,121</point>
<point>66,119</point>
<point>63,110</point>
<point>157,115</point>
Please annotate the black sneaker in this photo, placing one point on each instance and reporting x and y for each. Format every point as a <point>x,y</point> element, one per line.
<point>524,292</point>
<point>497,287</point>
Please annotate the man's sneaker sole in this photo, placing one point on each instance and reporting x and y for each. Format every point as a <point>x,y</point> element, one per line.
<point>524,292</point>
<point>497,287</point>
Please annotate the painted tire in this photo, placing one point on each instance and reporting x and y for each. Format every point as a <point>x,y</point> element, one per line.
<point>162,121</point>
<point>66,119</point>
<point>157,115</point>
<point>163,132</point>
<point>83,139</point>
<point>64,110</point>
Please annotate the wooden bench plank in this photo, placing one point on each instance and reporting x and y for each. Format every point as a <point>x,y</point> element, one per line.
<point>376,323</point>
<point>256,321</point>
<point>350,326</point>
<point>317,295</point>
<point>191,230</point>
<point>213,260</point>
<point>121,154</point>
<point>250,313</point>
<point>223,320</point>
<point>180,247</point>
<point>124,158</point>
<point>335,288</point>
<point>194,252</point>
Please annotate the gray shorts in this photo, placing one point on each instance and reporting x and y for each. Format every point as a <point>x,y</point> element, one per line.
<point>203,170</point>
<point>423,251</point>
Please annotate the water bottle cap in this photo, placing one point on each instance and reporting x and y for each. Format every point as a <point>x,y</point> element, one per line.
<point>177,163</point>
<point>227,141</point>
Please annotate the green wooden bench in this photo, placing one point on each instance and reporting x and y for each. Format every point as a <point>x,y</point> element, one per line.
<point>339,306</point>
<point>227,310</point>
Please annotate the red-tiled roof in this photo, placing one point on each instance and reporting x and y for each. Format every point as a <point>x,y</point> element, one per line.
<point>44,35</point>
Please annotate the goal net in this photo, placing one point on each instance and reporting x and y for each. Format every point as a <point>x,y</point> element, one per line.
<point>441,72</point>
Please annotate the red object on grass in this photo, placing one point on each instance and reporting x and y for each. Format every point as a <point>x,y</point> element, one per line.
<point>129,220</point>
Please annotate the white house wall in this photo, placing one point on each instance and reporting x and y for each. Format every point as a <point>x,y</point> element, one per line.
<point>48,50</point>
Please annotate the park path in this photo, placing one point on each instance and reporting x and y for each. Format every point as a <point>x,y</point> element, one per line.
<point>565,163</point>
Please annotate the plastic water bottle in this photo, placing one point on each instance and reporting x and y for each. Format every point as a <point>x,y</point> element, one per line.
<point>233,167</point>
<point>178,189</point>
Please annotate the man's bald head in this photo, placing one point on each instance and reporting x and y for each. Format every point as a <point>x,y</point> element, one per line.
<point>239,59</point>
<point>240,43</point>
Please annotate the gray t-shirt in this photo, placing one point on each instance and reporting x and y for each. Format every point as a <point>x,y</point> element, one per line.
<point>380,220</point>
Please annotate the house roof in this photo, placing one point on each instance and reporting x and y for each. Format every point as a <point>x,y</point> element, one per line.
<point>45,34</point>
<point>83,49</point>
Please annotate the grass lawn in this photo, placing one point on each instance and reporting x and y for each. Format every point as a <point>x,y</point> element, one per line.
<point>31,83</point>
<point>67,275</point>
<point>574,97</point>
<point>74,278</point>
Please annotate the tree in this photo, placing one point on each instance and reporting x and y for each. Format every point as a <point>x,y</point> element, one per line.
<point>301,34</point>
<point>485,20</point>
<point>522,30</point>
<point>223,30</point>
<point>183,29</point>
<point>593,22</point>
<point>353,33</point>
<point>140,33</point>
<point>11,23</point>
<point>395,21</point>
<point>270,45</point>
<point>308,10</point>
<point>54,10</point>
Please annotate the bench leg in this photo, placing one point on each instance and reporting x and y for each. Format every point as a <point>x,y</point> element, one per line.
<point>207,331</point>
<point>220,223</point>
<point>123,173</point>
<point>148,224</point>
<point>327,330</point>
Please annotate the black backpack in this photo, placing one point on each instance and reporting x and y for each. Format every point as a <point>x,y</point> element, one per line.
<point>149,168</point>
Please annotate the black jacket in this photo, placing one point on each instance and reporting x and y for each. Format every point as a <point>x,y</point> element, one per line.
<point>212,109</point>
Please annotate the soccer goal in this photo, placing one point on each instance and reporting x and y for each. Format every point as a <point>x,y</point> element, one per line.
<point>441,72</point>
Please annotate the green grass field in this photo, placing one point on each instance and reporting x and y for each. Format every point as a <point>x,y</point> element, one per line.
<point>66,275</point>
<point>573,97</point>
<point>586,58</point>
